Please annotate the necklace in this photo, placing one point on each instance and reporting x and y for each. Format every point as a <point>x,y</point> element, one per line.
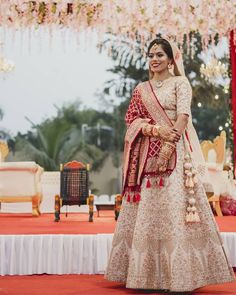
<point>159,83</point>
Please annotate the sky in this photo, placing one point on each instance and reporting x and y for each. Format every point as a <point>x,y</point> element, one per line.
<point>48,71</point>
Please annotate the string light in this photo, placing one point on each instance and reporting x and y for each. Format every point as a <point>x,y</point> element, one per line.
<point>199,104</point>
<point>220,128</point>
<point>226,124</point>
<point>216,96</point>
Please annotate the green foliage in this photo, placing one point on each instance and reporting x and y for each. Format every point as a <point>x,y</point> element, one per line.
<point>59,140</point>
<point>212,113</point>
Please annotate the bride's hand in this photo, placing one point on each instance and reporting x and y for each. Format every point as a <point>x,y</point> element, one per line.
<point>169,134</point>
<point>162,164</point>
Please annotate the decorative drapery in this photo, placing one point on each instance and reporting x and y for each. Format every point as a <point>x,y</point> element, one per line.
<point>54,254</point>
<point>66,254</point>
<point>143,19</point>
<point>233,89</point>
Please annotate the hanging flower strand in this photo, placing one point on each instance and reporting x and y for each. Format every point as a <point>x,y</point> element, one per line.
<point>137,19</point>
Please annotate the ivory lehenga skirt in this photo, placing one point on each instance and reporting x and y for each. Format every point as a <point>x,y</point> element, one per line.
<point>154,248</point>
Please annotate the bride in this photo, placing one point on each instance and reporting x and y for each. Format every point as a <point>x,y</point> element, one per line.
<point>166,235</point>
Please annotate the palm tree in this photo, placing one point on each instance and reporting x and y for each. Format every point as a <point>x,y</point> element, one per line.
<point>59,140</point>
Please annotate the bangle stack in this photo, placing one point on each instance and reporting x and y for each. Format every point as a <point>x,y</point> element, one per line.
<point>167,150</point>
<point>147,130</point>
<point>151,130</point>
<point>155,131</point>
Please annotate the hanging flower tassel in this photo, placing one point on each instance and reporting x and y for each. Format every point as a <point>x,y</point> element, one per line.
<point>192,215</point>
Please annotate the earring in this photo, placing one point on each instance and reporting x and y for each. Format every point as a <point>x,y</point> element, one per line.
<point>169,66</point>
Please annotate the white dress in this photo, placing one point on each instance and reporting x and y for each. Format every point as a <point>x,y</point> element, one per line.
<point>153,247</point>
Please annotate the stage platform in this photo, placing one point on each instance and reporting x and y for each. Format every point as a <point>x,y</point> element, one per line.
<point>38,245</point>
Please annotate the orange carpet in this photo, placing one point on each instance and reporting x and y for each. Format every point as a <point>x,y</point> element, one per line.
<point>86,285</point>
<point>76,223</point>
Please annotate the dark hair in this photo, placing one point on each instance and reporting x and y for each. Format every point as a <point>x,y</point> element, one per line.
<point>165,45</point>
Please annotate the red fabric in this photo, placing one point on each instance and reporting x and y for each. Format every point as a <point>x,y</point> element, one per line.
<point>233,87</point>
<point>148,183</point>
<point>136,109</point>
<point>161,183</point>
<point>86,285</point>
<point>140,109</point>
<point>228,205</point>
<point>76,223</point>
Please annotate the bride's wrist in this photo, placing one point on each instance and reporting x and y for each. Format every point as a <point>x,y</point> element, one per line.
<point>156,131</point>
<point>147,130</point>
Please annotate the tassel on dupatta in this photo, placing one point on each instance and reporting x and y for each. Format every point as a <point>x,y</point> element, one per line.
<point>148,185</point>
<point>161,182</point>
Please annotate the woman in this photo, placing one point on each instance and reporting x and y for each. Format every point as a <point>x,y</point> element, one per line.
<point>166,236</point>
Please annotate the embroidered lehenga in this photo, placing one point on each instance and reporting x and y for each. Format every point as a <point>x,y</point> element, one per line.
<point>153,246</point>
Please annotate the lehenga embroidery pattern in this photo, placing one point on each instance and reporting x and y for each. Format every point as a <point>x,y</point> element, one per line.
<point>153,247</point>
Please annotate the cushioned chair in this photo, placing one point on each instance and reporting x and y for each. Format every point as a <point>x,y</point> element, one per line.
<point>21,182</point>
<point>106,202</point>
<point>214,154</point>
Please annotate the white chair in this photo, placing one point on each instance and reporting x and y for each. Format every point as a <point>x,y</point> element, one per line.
<point>214,154</point>
<point>113,199</point>
<point>21,182</point>
<point>103,203</point>
<point>102,199</point>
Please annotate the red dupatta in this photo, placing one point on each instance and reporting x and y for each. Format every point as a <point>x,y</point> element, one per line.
<point>146,109</point>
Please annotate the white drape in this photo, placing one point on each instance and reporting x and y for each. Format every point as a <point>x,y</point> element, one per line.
<point>66,254</point>
<point>54,254</point>
<point>229,239</point>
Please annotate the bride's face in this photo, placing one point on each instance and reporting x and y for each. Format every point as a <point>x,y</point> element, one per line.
<point>158,59</point>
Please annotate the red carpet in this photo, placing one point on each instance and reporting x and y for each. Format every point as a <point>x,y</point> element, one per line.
<point>76,223</point>
<point>86,285</point>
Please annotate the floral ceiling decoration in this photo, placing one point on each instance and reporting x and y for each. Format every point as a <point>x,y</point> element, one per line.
<point>137,19</point>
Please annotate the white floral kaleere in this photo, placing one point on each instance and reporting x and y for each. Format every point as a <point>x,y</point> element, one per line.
<point>190,180</point>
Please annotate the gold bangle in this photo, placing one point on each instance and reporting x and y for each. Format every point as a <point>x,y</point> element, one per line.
<point>147,130</point>
<point>167,150</point>
<point>163,156</point>
<point>155,131</point>
<point>144,130</point>
<point>167,143</point>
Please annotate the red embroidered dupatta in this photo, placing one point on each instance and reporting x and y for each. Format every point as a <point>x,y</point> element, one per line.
<point>137,146</point>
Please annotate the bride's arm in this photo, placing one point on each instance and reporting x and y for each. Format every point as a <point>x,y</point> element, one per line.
<point>181,123</point>
<point>183,104</point>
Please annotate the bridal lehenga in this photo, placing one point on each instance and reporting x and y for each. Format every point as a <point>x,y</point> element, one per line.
<point>153,245</point>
